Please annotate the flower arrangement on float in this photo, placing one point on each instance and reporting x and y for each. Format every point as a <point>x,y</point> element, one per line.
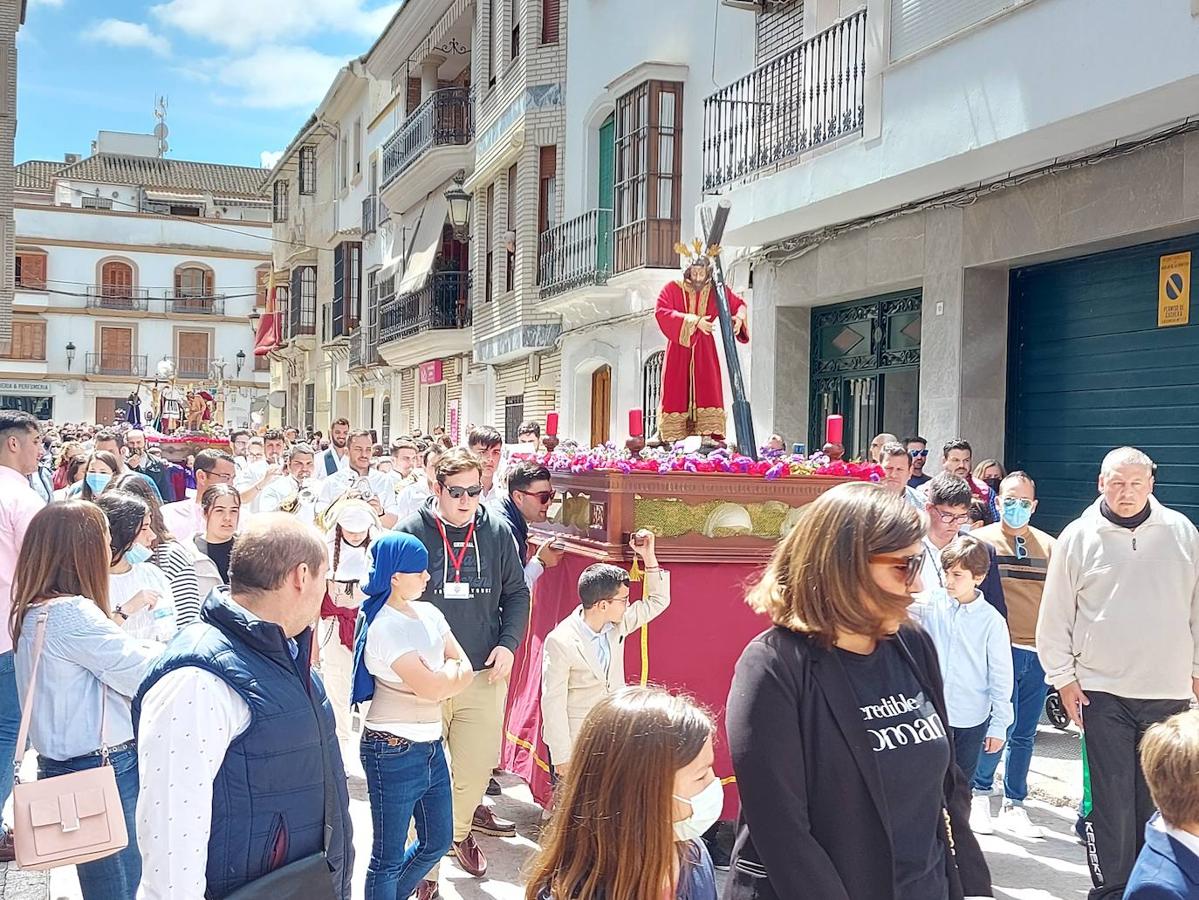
<point>772,464</point>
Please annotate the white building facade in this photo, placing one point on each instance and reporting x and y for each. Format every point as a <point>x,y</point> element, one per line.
<point>131,269</point>
<point>973,220</point>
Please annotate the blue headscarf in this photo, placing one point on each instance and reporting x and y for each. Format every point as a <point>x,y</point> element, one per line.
<point>395,552</point>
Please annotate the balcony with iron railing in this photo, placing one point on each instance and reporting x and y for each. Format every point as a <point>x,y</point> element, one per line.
<point>804,98</point>
<point>442,304</point>
<point>191,303</point>
<point>370,214</point>
<point>108,296</point>
<point>445,119</point>
<point>576,253</point>
<point>115,364</point>
<point>191,366</point>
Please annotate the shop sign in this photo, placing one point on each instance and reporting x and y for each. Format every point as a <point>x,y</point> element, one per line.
<point>430,372</point>
<point>25,387</point>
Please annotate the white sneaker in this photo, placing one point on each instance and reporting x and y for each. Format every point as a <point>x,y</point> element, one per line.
<point>1013,819</point>
<point>980,815</point>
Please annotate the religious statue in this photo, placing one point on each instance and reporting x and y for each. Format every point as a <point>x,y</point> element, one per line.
<point>170,409</point>
<point>692,387</point>
<point>196,406</point>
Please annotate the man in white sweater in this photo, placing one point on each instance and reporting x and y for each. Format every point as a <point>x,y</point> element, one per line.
<point>1118,636</point>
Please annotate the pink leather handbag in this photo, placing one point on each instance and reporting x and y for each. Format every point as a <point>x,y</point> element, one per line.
<point>68,819</point>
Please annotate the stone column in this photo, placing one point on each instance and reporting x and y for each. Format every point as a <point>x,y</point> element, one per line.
<point>779,361</point>
<point>428,75</point>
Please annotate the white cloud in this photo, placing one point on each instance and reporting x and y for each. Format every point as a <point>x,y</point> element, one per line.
<point>119,33</point>
<point>274,77</point>
<point>270,158</point>
<point>244,24</point>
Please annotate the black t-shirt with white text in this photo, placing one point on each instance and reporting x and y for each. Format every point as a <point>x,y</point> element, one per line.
<point>910,745</point>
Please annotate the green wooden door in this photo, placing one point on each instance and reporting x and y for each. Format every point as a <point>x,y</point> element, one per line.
<point>607,175</point>
<point>1092,371</point>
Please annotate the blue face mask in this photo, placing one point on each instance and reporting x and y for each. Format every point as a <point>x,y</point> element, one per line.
<point>1015,515</point>
<point>97,481</point>
<point>138,554</point>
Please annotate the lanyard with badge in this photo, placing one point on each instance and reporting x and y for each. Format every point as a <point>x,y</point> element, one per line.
<point>456,590</point>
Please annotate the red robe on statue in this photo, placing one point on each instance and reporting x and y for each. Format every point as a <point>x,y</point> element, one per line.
<point>692,388</point>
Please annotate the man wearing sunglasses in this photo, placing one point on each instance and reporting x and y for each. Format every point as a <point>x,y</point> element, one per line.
<point>947,505</point>
<point>1023,554</point>
<point>918,450</point>
<point>478,583</point>
<point>528,503</point>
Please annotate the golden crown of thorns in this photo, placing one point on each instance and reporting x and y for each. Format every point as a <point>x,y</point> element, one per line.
<point>696,251</point>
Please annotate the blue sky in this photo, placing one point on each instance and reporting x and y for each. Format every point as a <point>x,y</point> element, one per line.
<point>241,75</point>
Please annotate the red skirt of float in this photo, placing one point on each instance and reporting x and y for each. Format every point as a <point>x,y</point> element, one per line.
<point>716,533</point>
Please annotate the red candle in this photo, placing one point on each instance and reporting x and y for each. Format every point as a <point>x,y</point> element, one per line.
<point>551,424</point>
<point>834,429</point>
<point>636,425</point>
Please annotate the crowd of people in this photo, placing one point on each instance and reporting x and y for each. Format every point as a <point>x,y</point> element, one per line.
<point>216,633</point>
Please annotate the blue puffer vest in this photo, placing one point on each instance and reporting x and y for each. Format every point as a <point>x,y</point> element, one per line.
<point>268,801</point>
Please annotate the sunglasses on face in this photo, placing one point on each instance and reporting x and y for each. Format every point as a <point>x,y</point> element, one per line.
<point>918,454</point>
<point>543,497</point>
<point>458,492</point>
<point>911,565</point>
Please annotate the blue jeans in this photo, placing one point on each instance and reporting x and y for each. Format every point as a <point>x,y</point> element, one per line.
<point>10,723</point>
<point>114,877</point>
<point>406,782</point>
<point>968,746</point>
<point>1028,699</point>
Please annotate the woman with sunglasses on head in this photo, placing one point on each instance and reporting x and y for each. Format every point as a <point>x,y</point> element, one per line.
<point>837,721</point>
<point>630,811</point>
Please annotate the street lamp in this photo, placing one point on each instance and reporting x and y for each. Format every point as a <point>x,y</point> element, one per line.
<point>459,202</point>
<point>70,354</point>
<point>255,318</point>
<point>241,361</point>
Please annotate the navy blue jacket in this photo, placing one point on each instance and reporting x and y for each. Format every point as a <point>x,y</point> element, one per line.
<point>268,799</point>
<point>1165,870</point>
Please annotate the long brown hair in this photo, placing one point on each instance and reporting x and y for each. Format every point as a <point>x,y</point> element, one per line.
<point>65,553</point>
<point>109,459</point>
<point>612,835</point>
<point>819,580</point>
<point>136,483</point>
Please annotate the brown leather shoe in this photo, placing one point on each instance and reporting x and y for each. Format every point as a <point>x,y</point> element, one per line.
<point>493,788</point>
<point>470,856</point>
<point>8,851</point>
<point>427,890</point>
<point>485,821</point>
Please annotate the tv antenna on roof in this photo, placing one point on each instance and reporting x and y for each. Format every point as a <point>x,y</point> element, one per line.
<point>160,129</point>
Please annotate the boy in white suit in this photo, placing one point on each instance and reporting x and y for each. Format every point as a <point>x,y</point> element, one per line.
<point>583,657</point>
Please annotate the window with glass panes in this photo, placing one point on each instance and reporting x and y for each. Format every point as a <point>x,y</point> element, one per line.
<point>649,132</point>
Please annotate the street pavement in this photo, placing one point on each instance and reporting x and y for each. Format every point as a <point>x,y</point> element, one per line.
<point>1052,868</point>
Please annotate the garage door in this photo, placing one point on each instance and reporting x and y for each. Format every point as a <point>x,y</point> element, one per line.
<point>1092,371</point>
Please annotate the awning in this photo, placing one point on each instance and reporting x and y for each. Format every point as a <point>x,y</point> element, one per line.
<point>267,338</point>
<point>173,195</point>
<point>421,250</point>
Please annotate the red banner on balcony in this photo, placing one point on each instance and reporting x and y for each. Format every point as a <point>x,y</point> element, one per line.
<point>267,338</point>
<point>430,372</point>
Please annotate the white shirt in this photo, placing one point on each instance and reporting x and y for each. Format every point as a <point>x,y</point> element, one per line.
<point>157,624</point>
<point>353,563</point>
<point>180,760</point>
<point>248,475</point>
<point>412,499</point>
<point>319,462</point>
<point>282,489</point>
<point>378,484</point>
<point>392,635</point>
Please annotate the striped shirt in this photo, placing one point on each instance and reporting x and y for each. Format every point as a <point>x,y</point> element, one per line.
<point>180,570</point>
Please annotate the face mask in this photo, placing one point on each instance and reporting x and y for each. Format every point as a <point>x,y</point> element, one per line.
<point>993,484</point>
<point>138,554</point>
<point>1015,515</point>
<point>97,481</point>
<point>706,807</point>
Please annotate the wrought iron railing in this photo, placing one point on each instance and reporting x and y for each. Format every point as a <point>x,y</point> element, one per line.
<point>115,364</point>
<point>443,303</point>
<point>370,214</point>
<point>191,366</point>
<point>364,347</point>
<point>446,118</point>
<point>578,252</point>
<point>191,304</point>
<point>109,296</point>
<point>799,100</point>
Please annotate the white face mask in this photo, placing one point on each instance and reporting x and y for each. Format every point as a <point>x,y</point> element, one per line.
<point>706,807</point>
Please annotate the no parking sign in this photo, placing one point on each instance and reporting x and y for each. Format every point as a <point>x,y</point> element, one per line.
<point>1174,290</point>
